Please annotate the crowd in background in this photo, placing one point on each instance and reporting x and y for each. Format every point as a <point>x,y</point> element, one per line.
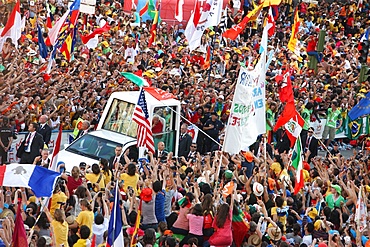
<point>204,197</point>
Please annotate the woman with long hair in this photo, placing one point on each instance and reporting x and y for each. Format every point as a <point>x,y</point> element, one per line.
<point>223,235</point>
<point>208,214</point>
<point>60,226</point>
<point>196,220</point>
<point>85,217</point>
<point>106,171</point>
<point>130,178</point>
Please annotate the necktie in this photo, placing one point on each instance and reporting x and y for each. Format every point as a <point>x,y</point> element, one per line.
<point>98,151</point>
<point>27,144</point>
<point>115,161</point>
<point>308,142</point>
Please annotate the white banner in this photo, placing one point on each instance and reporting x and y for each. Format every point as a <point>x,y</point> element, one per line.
<point>248,113</point>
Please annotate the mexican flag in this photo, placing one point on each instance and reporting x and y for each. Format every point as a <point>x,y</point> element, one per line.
<point>294,127</point>
<point>297,163</point>
<point>141,82</point>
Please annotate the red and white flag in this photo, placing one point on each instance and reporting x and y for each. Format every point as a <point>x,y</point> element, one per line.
<point>91,40</point>
<point>13,28</point>
<point>179,10</point>
<point>54,31</point>
<point>271,23</point>
<point>144,129</point>
<point>205,15</point>
<point>54,158</point>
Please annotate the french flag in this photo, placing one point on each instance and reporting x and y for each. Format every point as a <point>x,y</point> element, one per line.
<point>54,159</point>
<point>13,28</point>
<point>37,178</point>
<point>115,234</point>
<point>50,18</point>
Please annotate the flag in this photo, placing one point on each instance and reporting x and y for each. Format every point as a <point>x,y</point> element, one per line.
<point>275,11</point>
<point>288,113</point>
<point>361,211</point>
<point>293,44</point>
<point>205,15</point>
<point>271,2</point>
<point>54,157</point>
<point>223,26</point>
<point>54,31</point>
<point>153,30</point>
<point>297,163</point>
<point>69,43</point>
<point>115,234</point>
<point>193,131</point>
<point>360,4</point>
<point>50,18</point>
<point>141,82</point>
<point>207,62</point>
<point>144,9</point>
<point>364,36</point>
<point>247,117</point>
<point>228,189</point>
<point>294,127</point>
<point>135,234</point>
<point>285,87</point>
<point>179,11</point>
<point>38,178</point>
<point>361,109</point>
<point>13,27</point>
<point>354,128</point>
<point>144,129</point>
<point>263,45</point>
<point>42,47</point>
<point>19,238</point>
<point>91,40</point>
<point>235,30</point>
<point>152,9</point>
<point>271,22</point>
<point>159,94</point>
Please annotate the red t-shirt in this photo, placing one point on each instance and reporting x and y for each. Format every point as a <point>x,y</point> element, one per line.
<point>311,46</point>
<point>72,184</point>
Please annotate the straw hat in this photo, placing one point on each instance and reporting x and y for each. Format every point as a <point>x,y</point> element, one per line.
<point>274,233</point>
<point>254,240</point>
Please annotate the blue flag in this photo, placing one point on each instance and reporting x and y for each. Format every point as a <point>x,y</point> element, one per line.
<point>361,109</point>
<point>42,47</point>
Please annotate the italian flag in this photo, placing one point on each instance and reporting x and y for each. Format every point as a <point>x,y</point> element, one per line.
<point>141,82</point>
<point>297,163</point>
<point>294,127</point>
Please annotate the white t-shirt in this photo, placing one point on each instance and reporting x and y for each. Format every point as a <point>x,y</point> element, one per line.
<point>236,4</point>
<point>99,230</point>
<point>307,239</point>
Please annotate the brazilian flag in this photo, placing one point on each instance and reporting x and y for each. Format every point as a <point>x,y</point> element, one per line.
<point>355,128</point>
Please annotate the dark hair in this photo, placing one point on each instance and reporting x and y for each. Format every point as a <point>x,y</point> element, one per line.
<point>35,125</point>
<point>95,169</point>
<point>197,210</point>
<point>81,191</point>
<point>131,169</point>
<point>190,197</point>
<point>157,185</point>
<point>310,227</point>
<point>85,202</point>
<point>104,162</point>
<point>41,242</point>
<point>149,236</point>
<point>84,232</point>
<point>222,214</point>
<point>207,204</point>
<point>170,241</point>
<point>99,219</point>
<point>279,201</point>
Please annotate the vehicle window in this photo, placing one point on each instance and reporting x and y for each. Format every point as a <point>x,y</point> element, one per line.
<point>119,118</point>
<point>162,126</point>
<point>93,147</point>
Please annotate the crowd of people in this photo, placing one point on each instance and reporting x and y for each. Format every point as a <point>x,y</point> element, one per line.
<point>203,196</point>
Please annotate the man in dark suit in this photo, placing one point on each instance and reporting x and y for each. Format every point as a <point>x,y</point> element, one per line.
<point>185,141</point>
<point>44,129</point>
<point>31,146</point>
<point>43,160</point>
<point>311,144</point>
<point>161,154</point>
<point>118,158</point>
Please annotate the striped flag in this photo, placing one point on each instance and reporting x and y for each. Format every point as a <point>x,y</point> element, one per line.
<point>50,18</point>
<point>153,30</point>
<point>144,129</point>
<point>137,225</point>
<point>12,28</point>
<point>297,163</point>
<point>223,25</point>
<point>115,234</point>
<point>54,157</point>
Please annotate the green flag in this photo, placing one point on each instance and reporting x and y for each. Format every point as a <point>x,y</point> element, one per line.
<point>297,163</point>
<point>141,82</point>
<point>354,129</point>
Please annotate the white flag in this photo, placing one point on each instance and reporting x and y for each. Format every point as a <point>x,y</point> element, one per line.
<point>361,212</point>
<point>179,10</point>
<point>205,15</point>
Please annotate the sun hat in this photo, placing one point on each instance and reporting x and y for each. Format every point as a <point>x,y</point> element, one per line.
<point>254,240</point>
<point>258,189</point>
<point>274,233</point>
<point>146,194</point>
<point>337,188</point>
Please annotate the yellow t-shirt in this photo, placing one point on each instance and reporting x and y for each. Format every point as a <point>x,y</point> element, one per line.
<point>282,215</point>
<point>60,232</point>
<point>93,178</point>
<point>86,218</point>
<point>57,197</point>
<point>80,243</point>
<point>130,181</point>
<point>108,177</point>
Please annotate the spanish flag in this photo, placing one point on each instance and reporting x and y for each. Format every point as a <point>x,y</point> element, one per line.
<point>137,225</point>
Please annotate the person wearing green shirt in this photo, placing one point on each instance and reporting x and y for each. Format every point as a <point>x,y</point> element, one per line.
<point>333,115</point>
<point>334,199</point>
<point>270,121</point>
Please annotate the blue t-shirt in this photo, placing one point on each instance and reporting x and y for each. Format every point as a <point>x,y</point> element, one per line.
<point>159,206</point>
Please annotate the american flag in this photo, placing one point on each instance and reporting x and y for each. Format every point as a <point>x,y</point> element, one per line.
<point>144,130</point>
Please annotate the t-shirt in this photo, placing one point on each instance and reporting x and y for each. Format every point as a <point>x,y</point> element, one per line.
<point>86,218</point>
<point>148,214</point>
<point>130,181</point>
<point>270,116</point>
<point>182,221</point>
<point>5,134</point>
<point>99,230</point>
<point>57,197</point>
<point>307,240</point>
<point>332,118</point>
<point>60,232</point>
<point>159,206</point>
<point>329,199</point>
<point>81,243</point>
<point>195,224</point>
<point>93,178</point>
<point>72,184</point>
